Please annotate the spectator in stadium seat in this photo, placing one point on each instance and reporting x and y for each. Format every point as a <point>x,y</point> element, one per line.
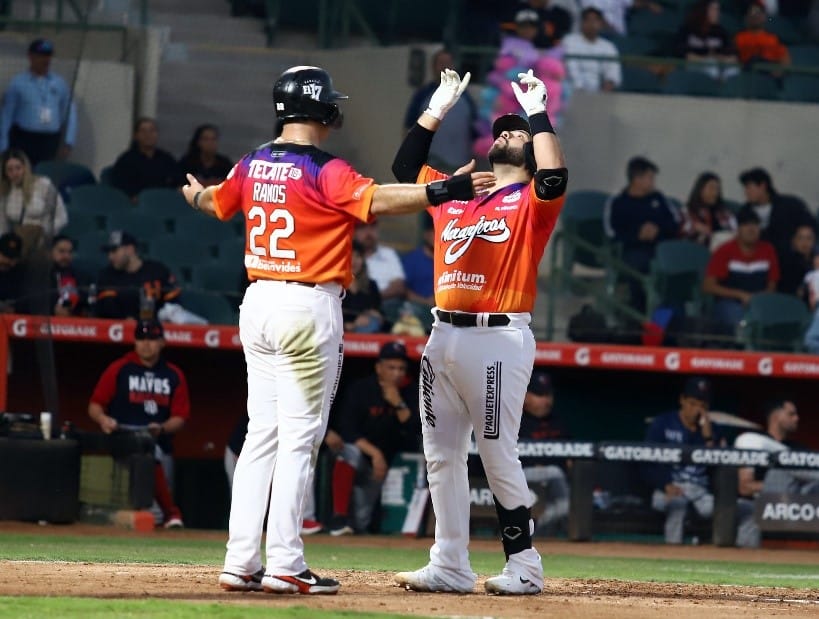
<point>705,43</point>
<point>361,306</point>
<point>614,11</point>
<point>67,297</point>
<point>452,143</point>
<point>639,218</point>
<point>30,205</point>
<point>780,215</point>
<point>130,287</point>
<point>141,392</point>
<point>781,423</point>
<point>538,423</point>
<point>739,269</point>
<point>419,271</point>
<point>755,44</point>
<point>383,266</point>
<point>38,116</point>
<point>812,292</point>
<point>553,22</point>
<point>678,486</point>
<point>797,261</point>
<point>378,419</point>
<point>202,159</point>
<point>11,272</point>
<point>143,165</point>
<point>592,75</point>
<point>706,212</point>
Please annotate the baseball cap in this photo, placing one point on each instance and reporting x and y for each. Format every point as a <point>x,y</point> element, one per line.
<point>747,215</point>
<point>393,350</point>
<point>149,330</point>
<point>11,245</point>
<point>118,238</point>
<point>540,383</point>
<point>697,387</point>
<point>527,16</point>
<point>509,122</point>
<point>41,46</point>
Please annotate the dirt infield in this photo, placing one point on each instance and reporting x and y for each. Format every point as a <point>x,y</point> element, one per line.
<point>374,591</point>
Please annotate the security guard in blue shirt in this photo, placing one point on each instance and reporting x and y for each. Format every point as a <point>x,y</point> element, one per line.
<point>37,108</point>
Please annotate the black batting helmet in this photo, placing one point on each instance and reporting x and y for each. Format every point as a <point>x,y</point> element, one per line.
<point>306,93</point>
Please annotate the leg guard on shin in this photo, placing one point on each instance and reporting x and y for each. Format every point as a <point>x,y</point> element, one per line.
<point>516,534</point>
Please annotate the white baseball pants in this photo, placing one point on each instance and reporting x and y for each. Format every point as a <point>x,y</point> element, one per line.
<point>474,377</point>
<point>292,341</point>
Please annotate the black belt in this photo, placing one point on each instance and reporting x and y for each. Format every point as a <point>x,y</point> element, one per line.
<point>463,319</point>
<point>307,284</point>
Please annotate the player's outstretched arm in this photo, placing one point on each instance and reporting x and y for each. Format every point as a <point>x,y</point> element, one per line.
<point>551,175</point>
<point>402,198</point>
<point>414,150</point>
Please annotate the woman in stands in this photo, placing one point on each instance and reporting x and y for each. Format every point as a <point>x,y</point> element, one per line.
<point>704,42</point>
<point>706,211</point>
<point>30,205</point>
<point>202,158</point>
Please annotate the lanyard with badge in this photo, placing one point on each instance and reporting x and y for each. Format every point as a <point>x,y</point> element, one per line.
<point>44,112</point>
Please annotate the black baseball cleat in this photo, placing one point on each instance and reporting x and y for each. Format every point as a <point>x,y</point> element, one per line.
<point>307,582</point>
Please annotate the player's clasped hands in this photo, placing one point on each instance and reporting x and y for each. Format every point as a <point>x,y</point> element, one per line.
<point>482,182</point>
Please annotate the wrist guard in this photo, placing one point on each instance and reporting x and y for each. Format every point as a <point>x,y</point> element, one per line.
<point>454,188</point>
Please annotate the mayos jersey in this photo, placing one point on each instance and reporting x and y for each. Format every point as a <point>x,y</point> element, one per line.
<point>300,205</point>
<point>487,250</point>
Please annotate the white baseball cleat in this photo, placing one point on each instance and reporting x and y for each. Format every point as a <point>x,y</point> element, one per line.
<point>427,580</point>
<point>307,583</point>
<point>509,583</point>
<point>235,582</point>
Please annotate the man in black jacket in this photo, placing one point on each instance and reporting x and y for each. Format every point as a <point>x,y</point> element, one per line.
<point>779,214</point>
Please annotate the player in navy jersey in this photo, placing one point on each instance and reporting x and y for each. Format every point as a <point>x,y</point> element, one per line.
<point>141,391</point>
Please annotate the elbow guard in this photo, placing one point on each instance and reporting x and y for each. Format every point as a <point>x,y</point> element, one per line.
<point>551,184</point>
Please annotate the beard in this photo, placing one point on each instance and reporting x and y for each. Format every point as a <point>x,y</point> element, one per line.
<point>501,153</point>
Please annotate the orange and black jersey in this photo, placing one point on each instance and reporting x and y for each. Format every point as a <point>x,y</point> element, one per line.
<point>119,291</point>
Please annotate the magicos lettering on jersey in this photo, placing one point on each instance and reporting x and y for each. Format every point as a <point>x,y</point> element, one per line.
<point>460,239</point>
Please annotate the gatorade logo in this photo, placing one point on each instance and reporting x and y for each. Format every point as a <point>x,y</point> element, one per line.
<point>115,332</point>
<point>212,338</point>
<point>672,361</point>
<point>20,327</point>
<point>765,366</point>
<point>582,356</point>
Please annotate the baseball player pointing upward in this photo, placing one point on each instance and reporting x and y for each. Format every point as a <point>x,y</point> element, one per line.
<point>478,359</point>
<point>300,205</point>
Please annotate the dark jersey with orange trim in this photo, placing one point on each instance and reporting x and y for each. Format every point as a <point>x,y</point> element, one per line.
<point>136,395</point>
<point>300,206</point>
<point>119,291</point>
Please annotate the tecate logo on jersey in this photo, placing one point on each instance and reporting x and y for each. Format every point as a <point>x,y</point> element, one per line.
<point>459,239</point>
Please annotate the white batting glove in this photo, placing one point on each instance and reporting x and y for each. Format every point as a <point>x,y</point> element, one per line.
<point>533,101</point>
<point>447,94</point>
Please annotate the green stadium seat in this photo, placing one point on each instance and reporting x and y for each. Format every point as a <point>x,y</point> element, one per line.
<point>107,175</point>
<point>66,176</point>
<point>79,223</point>
<point>180,255</point>
<point>163,203</point>
<point>657,25</point>
<point>99,200</point>
<point>636,79</point>
<point>804,55</point>
<point>634,45</point>
<point>582,216</point>
<point>143,227</point>
<point>677,271</point>
<point>775,321</point>
<point>692,83</point>
<point>218,276</point>
<point>232,249</point>
<point>785,29</point>
<point>89,244</point>
<point>803,88</point>
<point>212,306</point>
<point>751,86</point>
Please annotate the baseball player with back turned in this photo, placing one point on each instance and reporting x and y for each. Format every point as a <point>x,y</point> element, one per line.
<point>300,205</point>
<point>479,357</point>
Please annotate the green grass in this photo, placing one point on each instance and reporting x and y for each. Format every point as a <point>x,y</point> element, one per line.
<point>36,608</point>
<point>211,552</point>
